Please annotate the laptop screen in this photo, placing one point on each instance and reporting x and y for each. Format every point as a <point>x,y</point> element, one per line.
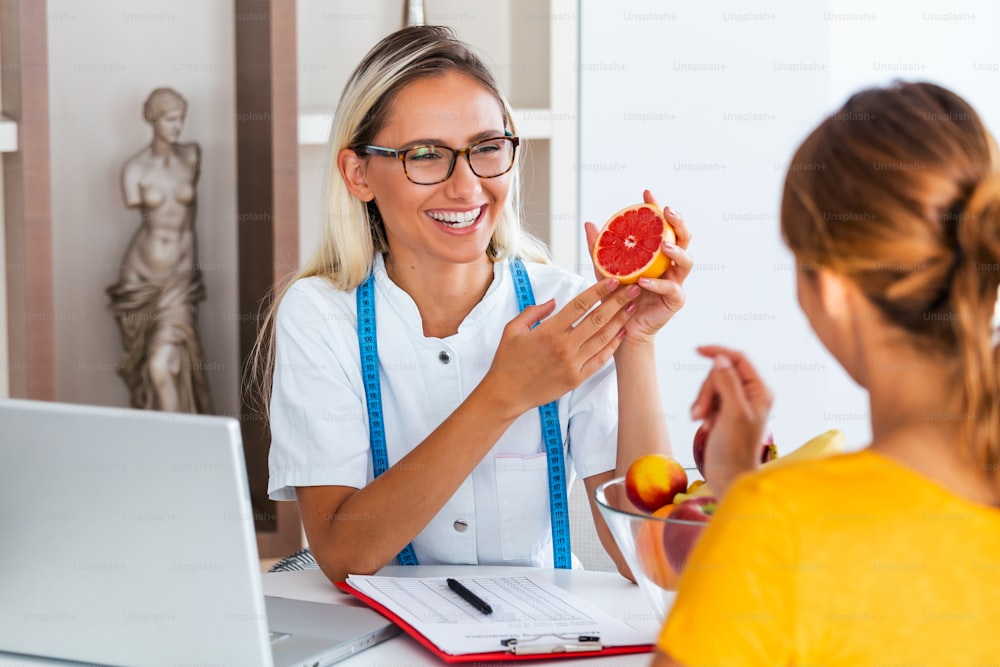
<point>126,537</point>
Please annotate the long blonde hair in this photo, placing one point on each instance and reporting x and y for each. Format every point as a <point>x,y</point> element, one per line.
<point>899,191</point>
<point>352,231</point>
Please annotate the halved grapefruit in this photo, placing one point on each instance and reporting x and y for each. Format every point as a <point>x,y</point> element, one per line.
<point>628,246</point>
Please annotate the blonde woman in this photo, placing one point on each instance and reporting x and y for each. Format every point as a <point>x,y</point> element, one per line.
<point>408,381</point>
<point>889,555</point>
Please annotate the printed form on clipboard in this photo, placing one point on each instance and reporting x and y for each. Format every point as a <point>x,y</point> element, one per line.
<point>531,618</point>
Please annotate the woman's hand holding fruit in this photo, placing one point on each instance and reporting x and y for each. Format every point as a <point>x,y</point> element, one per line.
<point>733,404</point>
<point>663,294</point>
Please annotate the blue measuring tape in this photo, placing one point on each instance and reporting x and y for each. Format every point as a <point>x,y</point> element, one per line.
<point>552,435</point>
<point>549,413</point>
<point>368,345</point>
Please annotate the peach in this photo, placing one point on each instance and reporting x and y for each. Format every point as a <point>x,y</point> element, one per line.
<point>653,480</point>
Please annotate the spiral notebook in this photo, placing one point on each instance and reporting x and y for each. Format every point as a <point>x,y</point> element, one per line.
<point>531,618</point>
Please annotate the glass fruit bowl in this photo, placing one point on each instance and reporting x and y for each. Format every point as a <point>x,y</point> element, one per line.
<point>654,547</point>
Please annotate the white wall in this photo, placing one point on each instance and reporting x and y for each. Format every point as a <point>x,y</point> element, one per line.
<point>705,105</point>
<point>105,56</point>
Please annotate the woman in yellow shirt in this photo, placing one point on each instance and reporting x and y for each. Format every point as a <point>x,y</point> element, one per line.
<point>890,555</point>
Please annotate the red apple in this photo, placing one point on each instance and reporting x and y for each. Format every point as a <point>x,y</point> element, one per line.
<point>683,527</point>
<point>700,442</point>
<point>768,449</point>
<point>653,480</point>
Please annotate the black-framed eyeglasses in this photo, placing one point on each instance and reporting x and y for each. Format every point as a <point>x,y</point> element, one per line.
<point>428,164</point>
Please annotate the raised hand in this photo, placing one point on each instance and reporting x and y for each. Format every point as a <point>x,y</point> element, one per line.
<point>662,297</point>
<point>734,404</point>
<point>533,366</point>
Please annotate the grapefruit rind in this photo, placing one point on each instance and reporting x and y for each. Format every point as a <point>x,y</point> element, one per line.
<point>612,249</point>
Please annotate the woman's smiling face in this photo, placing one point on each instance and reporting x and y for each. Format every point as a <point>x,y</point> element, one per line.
<point>452,221</point>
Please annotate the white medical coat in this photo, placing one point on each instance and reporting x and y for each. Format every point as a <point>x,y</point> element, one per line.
<point>319,422</point>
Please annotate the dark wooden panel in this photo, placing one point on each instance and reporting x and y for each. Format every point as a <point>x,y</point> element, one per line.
<point>27,208</point>
<point>267,176</point>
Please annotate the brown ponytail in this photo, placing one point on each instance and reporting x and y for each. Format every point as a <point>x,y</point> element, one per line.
<point>899,191</point>
<point>974,296</point>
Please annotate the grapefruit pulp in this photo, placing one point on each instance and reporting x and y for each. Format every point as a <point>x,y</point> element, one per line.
<point>628,246</point>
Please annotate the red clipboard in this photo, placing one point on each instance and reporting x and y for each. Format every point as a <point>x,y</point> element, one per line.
<point>492,655</point>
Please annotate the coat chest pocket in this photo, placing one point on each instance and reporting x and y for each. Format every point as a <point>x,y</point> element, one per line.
<point>523,498</point>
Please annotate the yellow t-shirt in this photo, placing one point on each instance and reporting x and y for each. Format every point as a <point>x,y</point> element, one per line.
<point>854,560</point>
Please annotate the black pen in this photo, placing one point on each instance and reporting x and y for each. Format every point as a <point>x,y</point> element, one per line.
<point>470,597</point>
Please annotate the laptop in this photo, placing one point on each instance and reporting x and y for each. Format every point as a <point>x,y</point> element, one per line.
<point>127,538</point>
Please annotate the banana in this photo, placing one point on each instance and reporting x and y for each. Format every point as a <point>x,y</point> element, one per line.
<point>823,445</point>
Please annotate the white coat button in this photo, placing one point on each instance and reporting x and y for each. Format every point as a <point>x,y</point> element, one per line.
<point>444,357</point>
<point>460,525</point>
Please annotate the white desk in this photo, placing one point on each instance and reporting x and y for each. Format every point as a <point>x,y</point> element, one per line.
<point>607,590</point>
